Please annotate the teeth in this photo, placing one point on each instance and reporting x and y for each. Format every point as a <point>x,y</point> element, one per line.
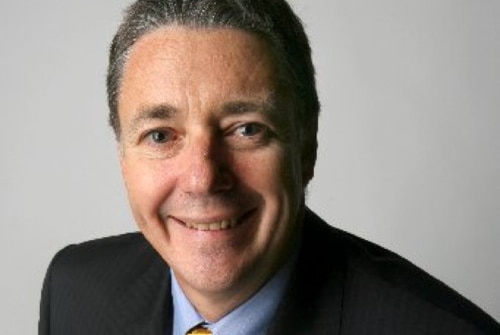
<point>218,225</point>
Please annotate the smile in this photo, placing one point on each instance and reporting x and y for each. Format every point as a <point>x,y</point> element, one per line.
<point>217,225</point>
<point>213,224</point>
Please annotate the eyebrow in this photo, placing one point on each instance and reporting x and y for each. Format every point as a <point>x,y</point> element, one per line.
<point>267,106</point>
<point>157,112</point>
<point>162,111</point>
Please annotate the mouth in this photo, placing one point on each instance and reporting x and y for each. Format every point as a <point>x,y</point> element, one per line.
<point>216,225</point>
<point>213,225</point>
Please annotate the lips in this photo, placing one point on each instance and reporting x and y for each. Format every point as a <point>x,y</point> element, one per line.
<point>217,225</point>
<point>213,225</point>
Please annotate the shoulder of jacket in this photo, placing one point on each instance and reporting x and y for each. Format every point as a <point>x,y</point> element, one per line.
<point>372,270</point>
<point>104,257</point>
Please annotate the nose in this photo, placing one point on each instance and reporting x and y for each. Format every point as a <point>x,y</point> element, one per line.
<point>205,166</point>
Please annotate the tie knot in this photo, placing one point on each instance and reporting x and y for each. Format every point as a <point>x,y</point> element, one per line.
<point>199,330</point>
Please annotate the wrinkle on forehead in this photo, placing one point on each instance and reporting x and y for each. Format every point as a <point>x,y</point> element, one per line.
<point>228,46</point>
<point>227,62</point>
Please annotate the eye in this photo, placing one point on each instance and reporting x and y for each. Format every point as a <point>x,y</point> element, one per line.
<point>250,135</point>
<point>250,129</point>
<point>160,136</point>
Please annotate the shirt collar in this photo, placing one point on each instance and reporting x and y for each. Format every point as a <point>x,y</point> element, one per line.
<point>250,318</point>
<point>185,315</point>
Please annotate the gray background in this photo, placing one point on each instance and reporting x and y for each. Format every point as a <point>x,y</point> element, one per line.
<point>409,136</point>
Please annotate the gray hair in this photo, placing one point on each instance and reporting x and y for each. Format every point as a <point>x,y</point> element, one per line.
<point>272,20</point>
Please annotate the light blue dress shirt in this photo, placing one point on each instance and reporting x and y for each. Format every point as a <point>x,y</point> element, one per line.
<point>250,318</point>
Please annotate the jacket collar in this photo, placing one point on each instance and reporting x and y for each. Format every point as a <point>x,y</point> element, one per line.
<point>143,305</point>
<point>313,300</point>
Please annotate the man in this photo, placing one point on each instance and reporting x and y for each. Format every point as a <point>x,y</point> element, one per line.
<point>215,112</point>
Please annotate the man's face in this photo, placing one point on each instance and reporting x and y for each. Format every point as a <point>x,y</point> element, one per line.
<point>210,157</point>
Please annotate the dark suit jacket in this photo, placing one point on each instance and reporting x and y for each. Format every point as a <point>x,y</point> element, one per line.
<point>341,285</point>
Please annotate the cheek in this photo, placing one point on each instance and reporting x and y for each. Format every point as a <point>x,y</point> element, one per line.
<point>272,173</point>
<point>274,176</point>
<point>147,186</point>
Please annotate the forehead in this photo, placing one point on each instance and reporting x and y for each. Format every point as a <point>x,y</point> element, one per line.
<point>178,40</point>
<point>227,61</point>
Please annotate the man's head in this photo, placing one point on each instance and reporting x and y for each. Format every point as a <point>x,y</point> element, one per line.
<point>271,20</point>
<point>215,110</point>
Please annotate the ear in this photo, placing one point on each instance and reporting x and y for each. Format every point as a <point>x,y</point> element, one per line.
<point>119,149</point>
<point>309,149</point>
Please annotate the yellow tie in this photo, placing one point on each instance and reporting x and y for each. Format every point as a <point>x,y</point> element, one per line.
<point>199,330</point>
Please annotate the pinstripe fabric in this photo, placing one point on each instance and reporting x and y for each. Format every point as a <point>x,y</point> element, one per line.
<point>341,285</point>
<point>108,286</point>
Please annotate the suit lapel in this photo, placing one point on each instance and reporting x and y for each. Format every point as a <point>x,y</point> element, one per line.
<point>312,303</point>
<point>143,305</point>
